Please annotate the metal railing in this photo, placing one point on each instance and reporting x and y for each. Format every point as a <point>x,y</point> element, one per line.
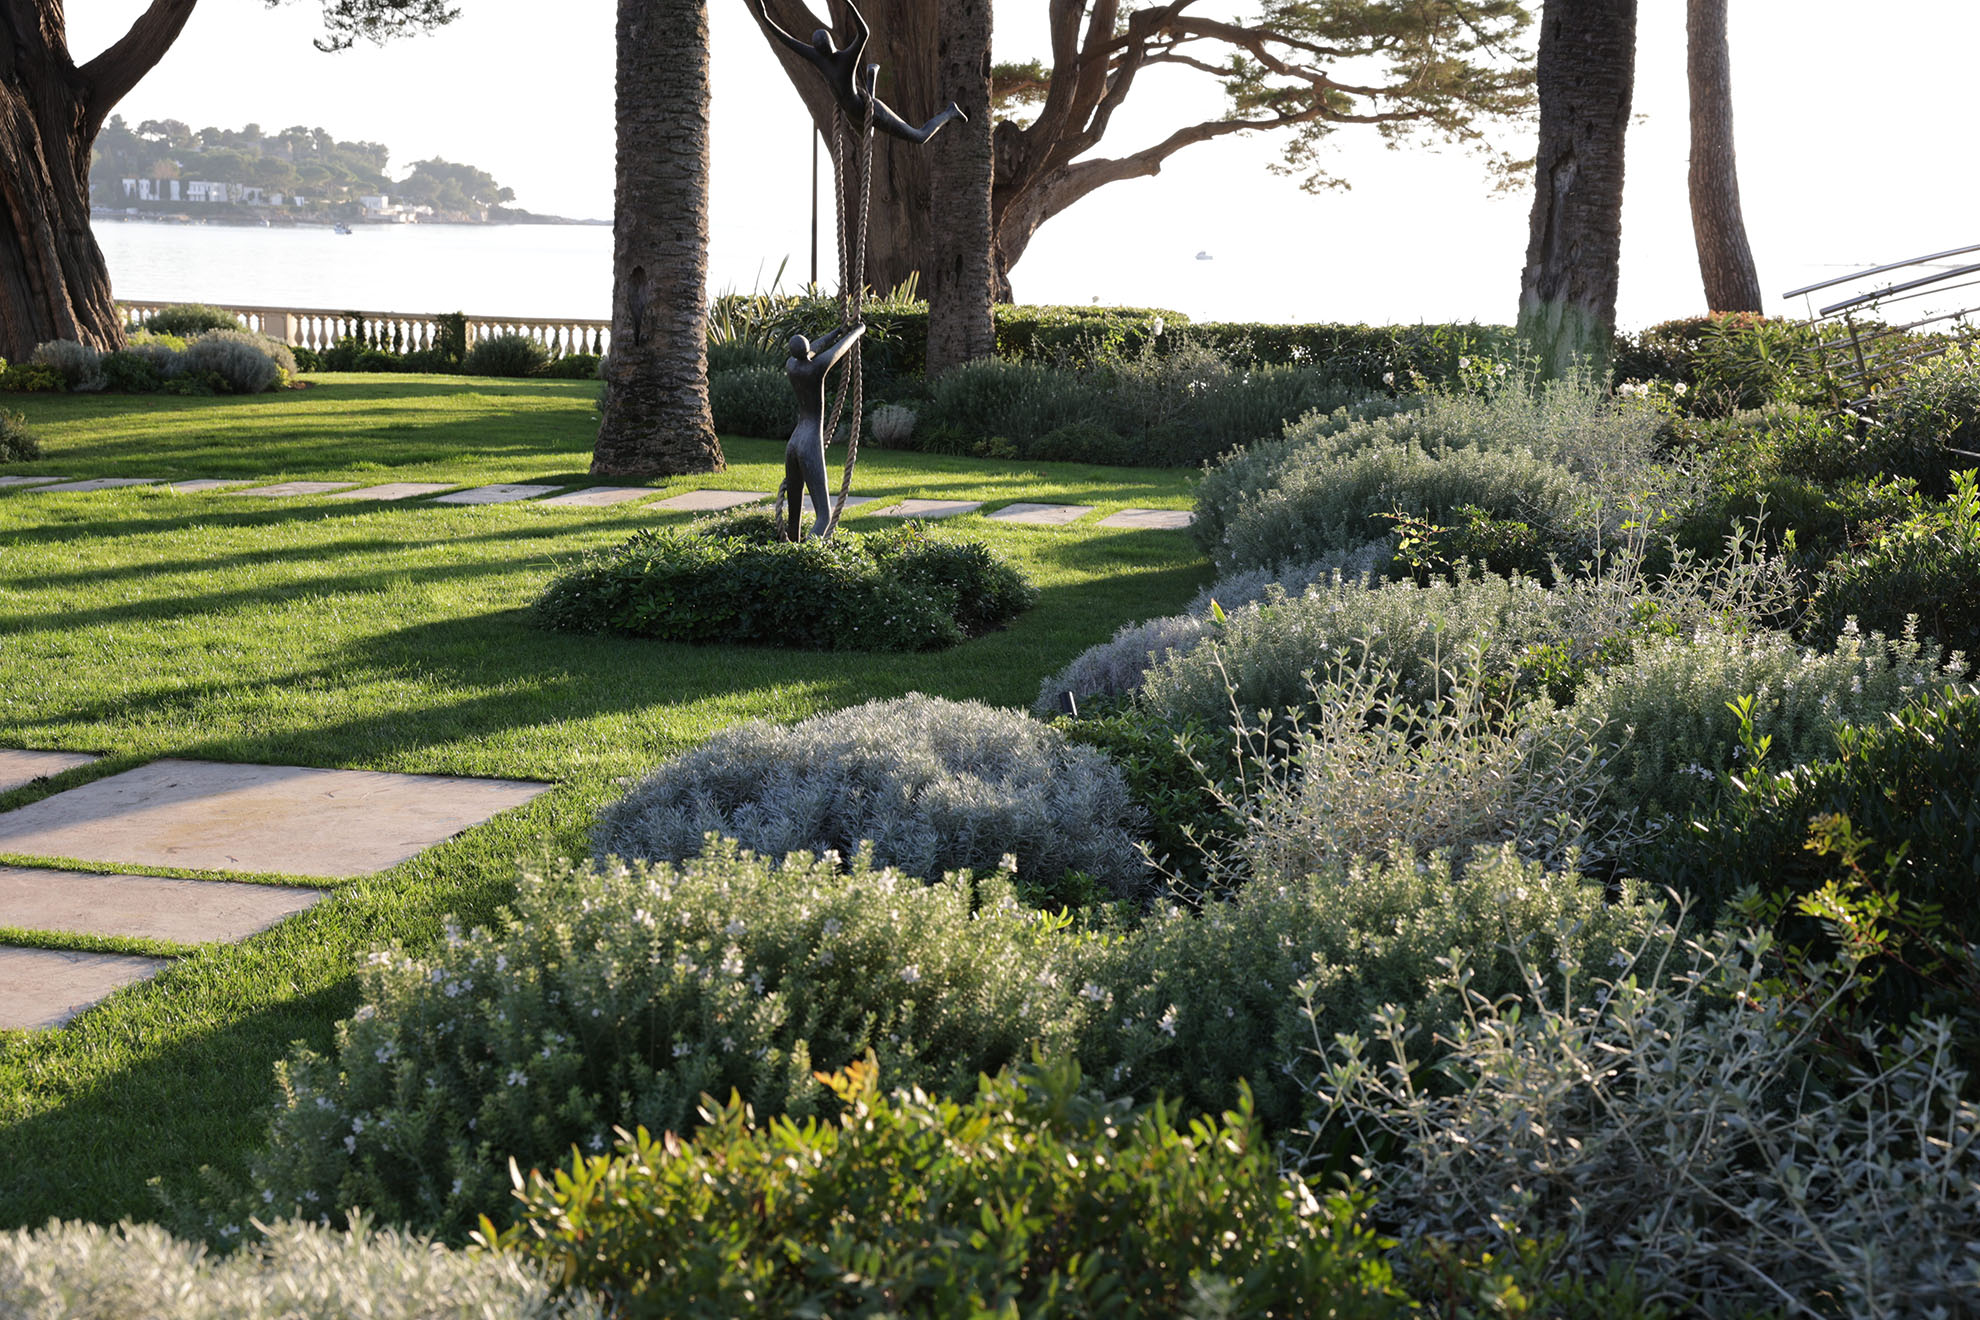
<point>1876,352</point>
<point>319,328</point>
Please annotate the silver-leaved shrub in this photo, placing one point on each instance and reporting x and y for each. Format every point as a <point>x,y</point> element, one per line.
<point>1195,1000</point>
<point>933,785</point>
<point>1672,1115</point>
<point>614,997</point>
<point>72,1271</point>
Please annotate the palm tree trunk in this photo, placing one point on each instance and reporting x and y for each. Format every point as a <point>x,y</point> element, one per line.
<point>1725,259</point>
<point>655,419</point>
<point>1587,72</point>
<point>960,278</point>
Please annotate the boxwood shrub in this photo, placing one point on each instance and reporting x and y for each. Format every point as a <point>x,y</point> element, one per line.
<point>898,589</point>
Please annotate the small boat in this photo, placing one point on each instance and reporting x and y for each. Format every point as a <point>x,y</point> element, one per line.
<point>340,228</point>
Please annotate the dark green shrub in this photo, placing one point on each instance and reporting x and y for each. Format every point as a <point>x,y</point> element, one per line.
<point>1034,1197</point>
<point>505,355</point>
<point>353,354</point>
<point>753,401</point>
<point>185,320</point>
<point>1165,762</point>
<point>1928,565</point>
<point>247,363</point>
<point>130,373</point>
<point>738,354</point>
<point>572,366</point>
<point>1727,361</point>
<point>1930,423</point>
<point>307,359</point>
<point>422,360</point>
<point>892,590</point>
<point>931,786</point>
<point>17,443</point>
<point>450,339</point>
<point>195,384</point>
<point>614,997</point>
<point>28,378</point>
<point>1085,442</point>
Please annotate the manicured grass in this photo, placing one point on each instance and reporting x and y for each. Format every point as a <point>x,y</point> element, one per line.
<point>140,623</point>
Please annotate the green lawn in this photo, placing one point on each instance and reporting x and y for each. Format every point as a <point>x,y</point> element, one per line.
<point>140,623</point>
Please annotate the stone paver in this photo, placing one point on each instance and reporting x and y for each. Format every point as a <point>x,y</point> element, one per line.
<point>282,489</point>
<point>144,906</point>
<point>928,508</point>
<point>47,987</point>
<point>99,483</point>
<point>712,501</point>
<point>392,490</point>
<point>1149,519</point>
<point>1041,515</point>
<point>595,497</point>
<point>499,494</point>
<point>204,815</point>
<point>852,501</point>
<point>19,767</point>
<point>28,481</point>
<point>205,483</point>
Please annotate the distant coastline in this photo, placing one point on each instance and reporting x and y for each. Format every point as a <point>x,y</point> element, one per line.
<point>251,217</point>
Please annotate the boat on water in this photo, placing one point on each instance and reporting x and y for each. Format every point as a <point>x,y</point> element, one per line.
<point>340,228</point>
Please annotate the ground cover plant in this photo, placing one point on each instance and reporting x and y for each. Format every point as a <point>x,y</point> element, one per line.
<point>143,623</point>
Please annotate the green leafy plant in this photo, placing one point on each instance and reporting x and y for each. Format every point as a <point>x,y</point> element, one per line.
<point>18,444</point>
<point>506,355</point>
<point>1926,567</point>
<point>185,320</point>
<point>753,401</point>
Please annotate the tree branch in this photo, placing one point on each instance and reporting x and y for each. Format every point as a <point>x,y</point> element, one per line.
<point>112,74</point>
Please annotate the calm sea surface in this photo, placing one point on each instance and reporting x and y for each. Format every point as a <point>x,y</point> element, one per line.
<point>521,270</point>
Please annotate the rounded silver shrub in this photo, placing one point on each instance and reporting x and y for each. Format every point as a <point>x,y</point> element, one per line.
<point>935,785</point>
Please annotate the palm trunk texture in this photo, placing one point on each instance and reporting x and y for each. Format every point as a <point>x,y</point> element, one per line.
<point>1587,70</point>
<point>655,419</point>
<point>961,284</point>
<point>1725,258</point>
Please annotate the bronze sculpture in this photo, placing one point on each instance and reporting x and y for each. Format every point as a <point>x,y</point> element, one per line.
<point>804,457</point>
<point>852,85</point>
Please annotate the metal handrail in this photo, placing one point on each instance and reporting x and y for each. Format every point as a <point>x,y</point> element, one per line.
<point>1879,270</point>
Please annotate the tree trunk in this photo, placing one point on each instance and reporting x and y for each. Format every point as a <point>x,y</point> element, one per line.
<point>655,419</point>
<point>53,283</point>
<point>960,278</point>
<point>1725,259</point>
<point>1587,69</point>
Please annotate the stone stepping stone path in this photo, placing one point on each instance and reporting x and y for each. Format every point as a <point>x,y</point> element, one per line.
<point>499,494</point>
<point>98,483</point>
<point>200,815</point>
<point>710,501</point>
<point>282,489</point>
<point>598,497</point>
<point>928,509</point>
<point>19,767</point>
<point>145,906</point>
<point>392,490</point>
<point>46,987</point>
<point>288,820</point>
<point>1149,520</point>
<point>28,481</point>
<point>1040,515</point>
<point>204,483</point>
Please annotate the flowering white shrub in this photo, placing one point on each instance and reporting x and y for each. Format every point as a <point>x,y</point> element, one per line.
<point>891,424</point>
<point>933,785</point>
<point>299,1272</point>
<point>615,997</point>
<point>1670,1116</point>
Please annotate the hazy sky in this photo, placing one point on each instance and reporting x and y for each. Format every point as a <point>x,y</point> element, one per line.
<point>1848,139</point>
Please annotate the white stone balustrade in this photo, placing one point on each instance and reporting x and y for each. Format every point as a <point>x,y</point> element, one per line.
<point>319,328</point>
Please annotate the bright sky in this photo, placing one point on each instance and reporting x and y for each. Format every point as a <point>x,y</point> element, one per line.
<point>1847,126</point>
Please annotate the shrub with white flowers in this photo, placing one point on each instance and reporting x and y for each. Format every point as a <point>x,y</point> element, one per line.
<point>617,996</point>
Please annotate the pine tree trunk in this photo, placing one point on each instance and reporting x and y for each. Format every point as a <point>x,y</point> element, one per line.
<point>1725,259</point>
<point>53,282</point>
<point>655,419</point>
<point>1587,70</point>
<point>959,273</point>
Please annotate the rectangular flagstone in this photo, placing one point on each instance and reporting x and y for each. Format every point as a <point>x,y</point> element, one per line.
<point>290,820</point>
<point>29,481</point>
<point>285,488</point>
<point>205,483</point>
<point>852,501</point>
<point>928,508</point>
<point>392,490</point>
<point>1149,519</point>
<point>1041,515</point>
<point>498,494</point>
<point>46,987</point>
<point>594,497</point>
<point>19,767</point>
<point>144,906</point>
<point>99,483</point>
<point>712,501</point>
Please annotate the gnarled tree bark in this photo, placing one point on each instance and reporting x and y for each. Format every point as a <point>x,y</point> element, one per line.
<point>655,419</point>
<point>1587,72</point>
<point>1725,258</point>
<point>53,282</point>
